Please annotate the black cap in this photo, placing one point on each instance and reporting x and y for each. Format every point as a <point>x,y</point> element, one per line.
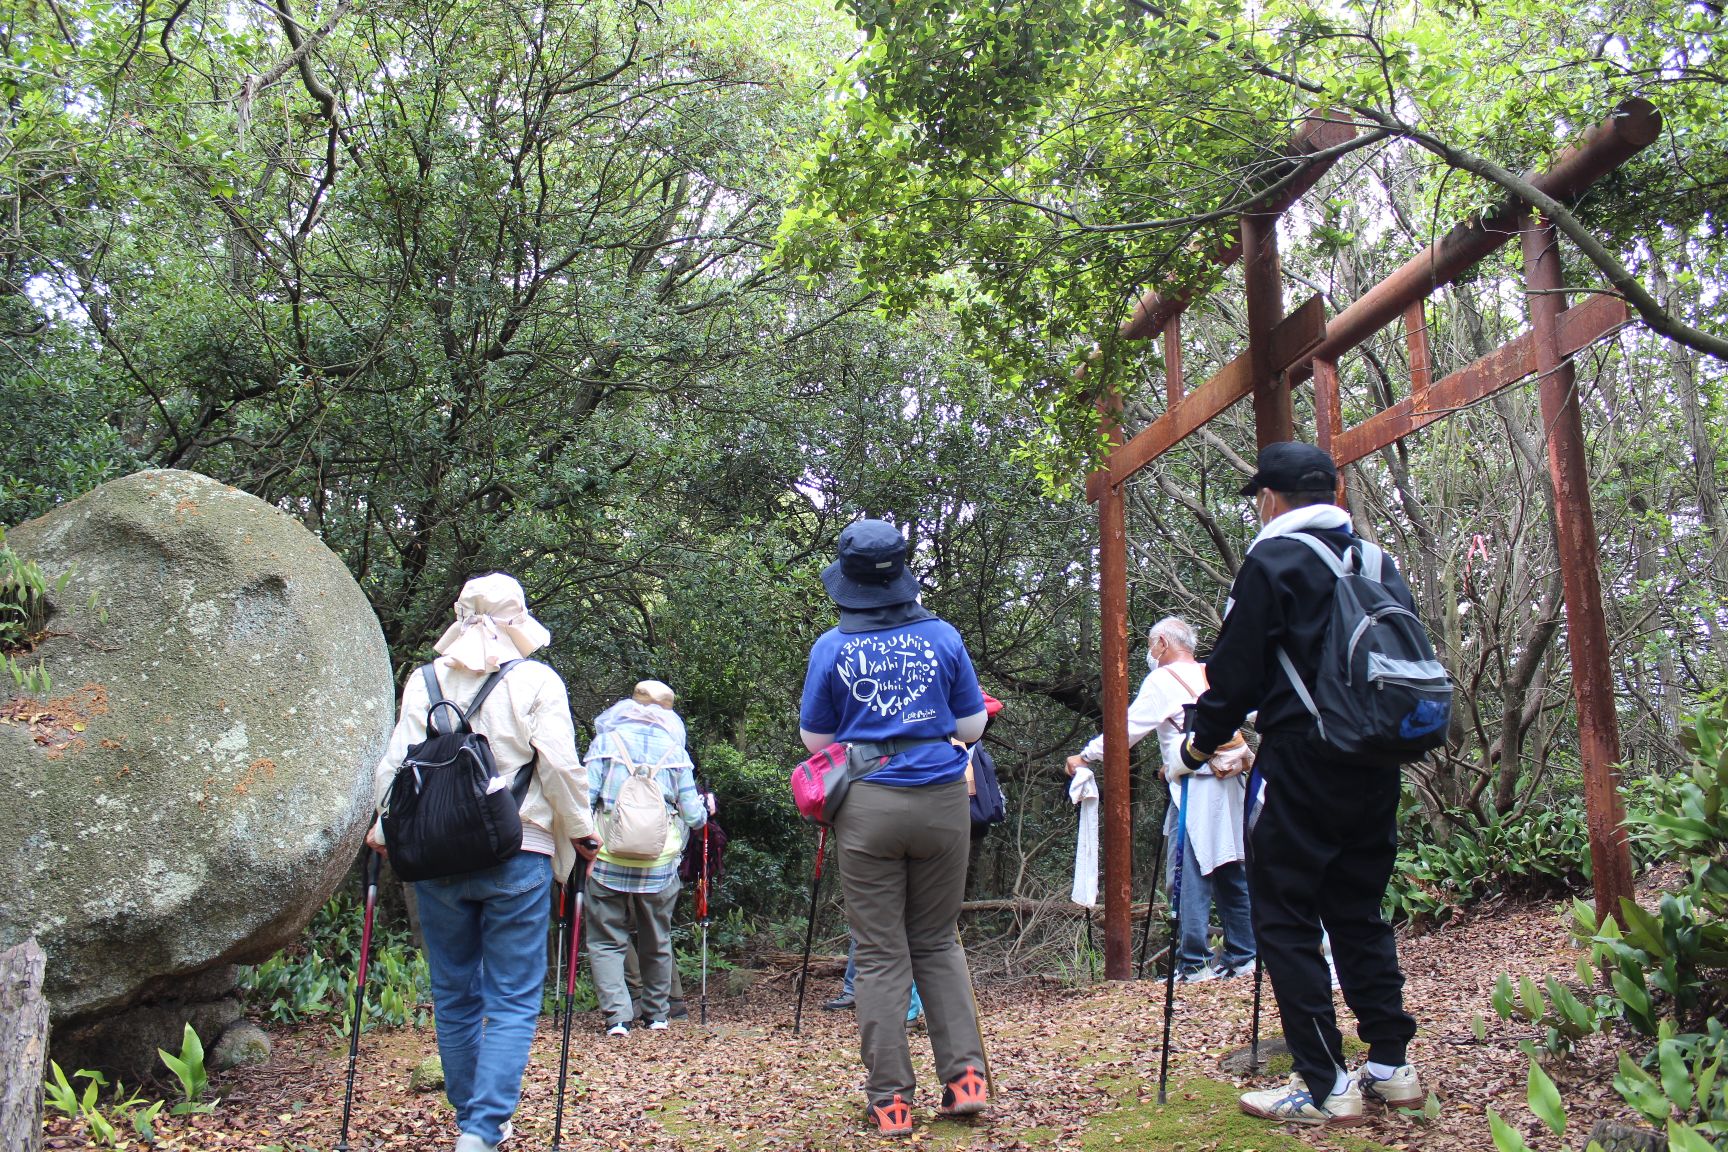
<point>1291,466</point>
<point>871,571</point>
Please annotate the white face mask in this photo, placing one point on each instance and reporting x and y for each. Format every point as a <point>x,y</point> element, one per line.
<point>1151,657</point>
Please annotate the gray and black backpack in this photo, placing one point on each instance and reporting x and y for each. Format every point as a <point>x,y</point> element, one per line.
<point>1381,698</point>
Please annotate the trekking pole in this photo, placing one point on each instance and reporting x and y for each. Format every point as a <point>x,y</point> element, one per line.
<point>372,862</point>
<point>577,876</point>
<point>809,930</point>
<point>558,896</point>
<point>1254,1033</point>
<point>1259,961</point>
<point>1152,894</point>
<point>1175,905</point>
<point>702,918</point>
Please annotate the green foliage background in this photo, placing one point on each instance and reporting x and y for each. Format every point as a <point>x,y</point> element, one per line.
<point>644,303</point>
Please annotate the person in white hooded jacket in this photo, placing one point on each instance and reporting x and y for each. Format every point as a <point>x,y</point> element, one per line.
<point>485,931</point>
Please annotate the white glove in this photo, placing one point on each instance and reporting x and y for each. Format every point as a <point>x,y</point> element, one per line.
<point>708,799</point>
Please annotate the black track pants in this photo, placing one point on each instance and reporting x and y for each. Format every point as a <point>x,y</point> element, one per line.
<point>1322,850</point>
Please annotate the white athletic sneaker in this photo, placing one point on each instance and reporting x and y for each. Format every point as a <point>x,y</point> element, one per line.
<point>658,1025</point>
<point>1242,969</point>
<point>618,1030</point>
<point>468,1142</point>
<point>1402,1089</point>
<point>1198,975</point>
<point>1293,1103</point>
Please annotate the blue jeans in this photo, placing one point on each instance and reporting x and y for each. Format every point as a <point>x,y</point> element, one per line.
<point>1228,888</point>
<point>486,947</point>
<point>851,978</point>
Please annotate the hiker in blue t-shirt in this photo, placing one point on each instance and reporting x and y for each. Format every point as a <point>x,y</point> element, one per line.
<point>895,682</point>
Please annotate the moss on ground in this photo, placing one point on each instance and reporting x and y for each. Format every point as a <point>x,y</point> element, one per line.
<point>1201,1116</point>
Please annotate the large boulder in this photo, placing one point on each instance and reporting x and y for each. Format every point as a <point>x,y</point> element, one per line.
<point>198,777</point>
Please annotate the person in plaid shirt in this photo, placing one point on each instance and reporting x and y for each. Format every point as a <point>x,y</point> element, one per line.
<point>641,731</point>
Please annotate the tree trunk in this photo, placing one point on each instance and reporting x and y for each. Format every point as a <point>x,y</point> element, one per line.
<point>23,1046</point>
<point>1711,512</point>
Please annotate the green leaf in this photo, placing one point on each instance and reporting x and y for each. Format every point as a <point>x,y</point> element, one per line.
<point>1502,997</point>
<point>1506,1137</point>
<point>1643,930</point>
<point>1685,1138</point>
<point>1578,1019</point>
<point>1545,1101</point>
<point>1531,997</point>
<point>1640,1090</point>
<point>1676,1077</point>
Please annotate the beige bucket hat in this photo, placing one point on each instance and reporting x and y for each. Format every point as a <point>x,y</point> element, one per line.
<point>493,625</point>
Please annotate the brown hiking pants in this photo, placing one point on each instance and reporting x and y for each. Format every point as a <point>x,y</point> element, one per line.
<point>902,856</point>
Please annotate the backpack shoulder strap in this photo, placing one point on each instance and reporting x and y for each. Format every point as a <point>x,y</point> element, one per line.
<point>1301,689</point>
<point>1331,558</point>
<point>435,700</point>
<point>486,687</point>
<point>1373,560</point>
<point>1183,680</point>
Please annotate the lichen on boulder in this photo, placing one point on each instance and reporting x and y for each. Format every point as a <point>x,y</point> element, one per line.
<point>198,777</point>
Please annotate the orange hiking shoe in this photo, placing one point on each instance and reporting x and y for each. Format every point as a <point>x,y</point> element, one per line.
<point>892,1117</point>
<point>966,1095</point>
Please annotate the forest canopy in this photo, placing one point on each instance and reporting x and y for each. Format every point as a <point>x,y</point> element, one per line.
<point>643,303</point>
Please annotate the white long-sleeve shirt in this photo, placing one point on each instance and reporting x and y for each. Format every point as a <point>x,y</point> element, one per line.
<point>527,712</point>
<point>1214,806</point>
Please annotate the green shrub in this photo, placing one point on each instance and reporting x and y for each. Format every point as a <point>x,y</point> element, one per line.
<point>1667,968</point>
<point>1539,853</point>
<point>103,1123</point>
<point>315,978</point>
<point>23,611</point>
<point>188,1068</point>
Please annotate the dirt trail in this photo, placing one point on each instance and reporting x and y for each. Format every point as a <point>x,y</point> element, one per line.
<point>1073,1069</point>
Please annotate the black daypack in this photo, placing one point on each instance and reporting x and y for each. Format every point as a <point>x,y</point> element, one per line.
<point>1381,698</point>
<point>442,815</point>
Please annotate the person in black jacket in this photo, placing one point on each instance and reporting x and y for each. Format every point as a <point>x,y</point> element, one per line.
<point>1323,843</point>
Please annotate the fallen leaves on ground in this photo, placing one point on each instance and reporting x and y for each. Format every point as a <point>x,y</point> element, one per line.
<point>1065,1061</point>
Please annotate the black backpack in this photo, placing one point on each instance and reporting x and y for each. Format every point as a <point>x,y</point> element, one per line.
<point>1381,698</point>
<point>441,816</point>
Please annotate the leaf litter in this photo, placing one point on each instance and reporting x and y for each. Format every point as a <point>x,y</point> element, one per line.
<point>1069,1066</point>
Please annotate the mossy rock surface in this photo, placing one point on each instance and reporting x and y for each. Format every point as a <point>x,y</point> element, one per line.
<point>198,778</point>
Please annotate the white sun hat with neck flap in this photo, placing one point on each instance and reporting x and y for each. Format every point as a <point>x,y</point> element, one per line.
<point>493,625</point>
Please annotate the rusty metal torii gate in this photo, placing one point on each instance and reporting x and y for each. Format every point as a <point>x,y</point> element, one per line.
<point>1284,350</point>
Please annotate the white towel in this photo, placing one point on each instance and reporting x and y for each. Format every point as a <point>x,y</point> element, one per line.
<point>1083,790</point>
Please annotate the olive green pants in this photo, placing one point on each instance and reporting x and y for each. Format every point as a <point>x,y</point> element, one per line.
<point>902,856</point>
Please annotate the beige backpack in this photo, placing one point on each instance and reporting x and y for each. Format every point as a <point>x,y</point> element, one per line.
<point>637,826</point>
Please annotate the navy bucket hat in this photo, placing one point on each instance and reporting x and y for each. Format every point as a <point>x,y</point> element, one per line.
<point>871,571</point>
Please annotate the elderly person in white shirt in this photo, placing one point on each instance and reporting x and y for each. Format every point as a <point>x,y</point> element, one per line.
<point>1210,819</point>
<point>485,930</point>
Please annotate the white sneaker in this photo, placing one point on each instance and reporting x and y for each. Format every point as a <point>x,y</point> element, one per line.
<point>1228,970</point>
<point>1402,1089</point>
<point>1198,975</point>
<point>618,1030</point>
<point>1294,1104</point>
<point>508,1131</point>
<point>468,1142</point>
<point>658,1025</point>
